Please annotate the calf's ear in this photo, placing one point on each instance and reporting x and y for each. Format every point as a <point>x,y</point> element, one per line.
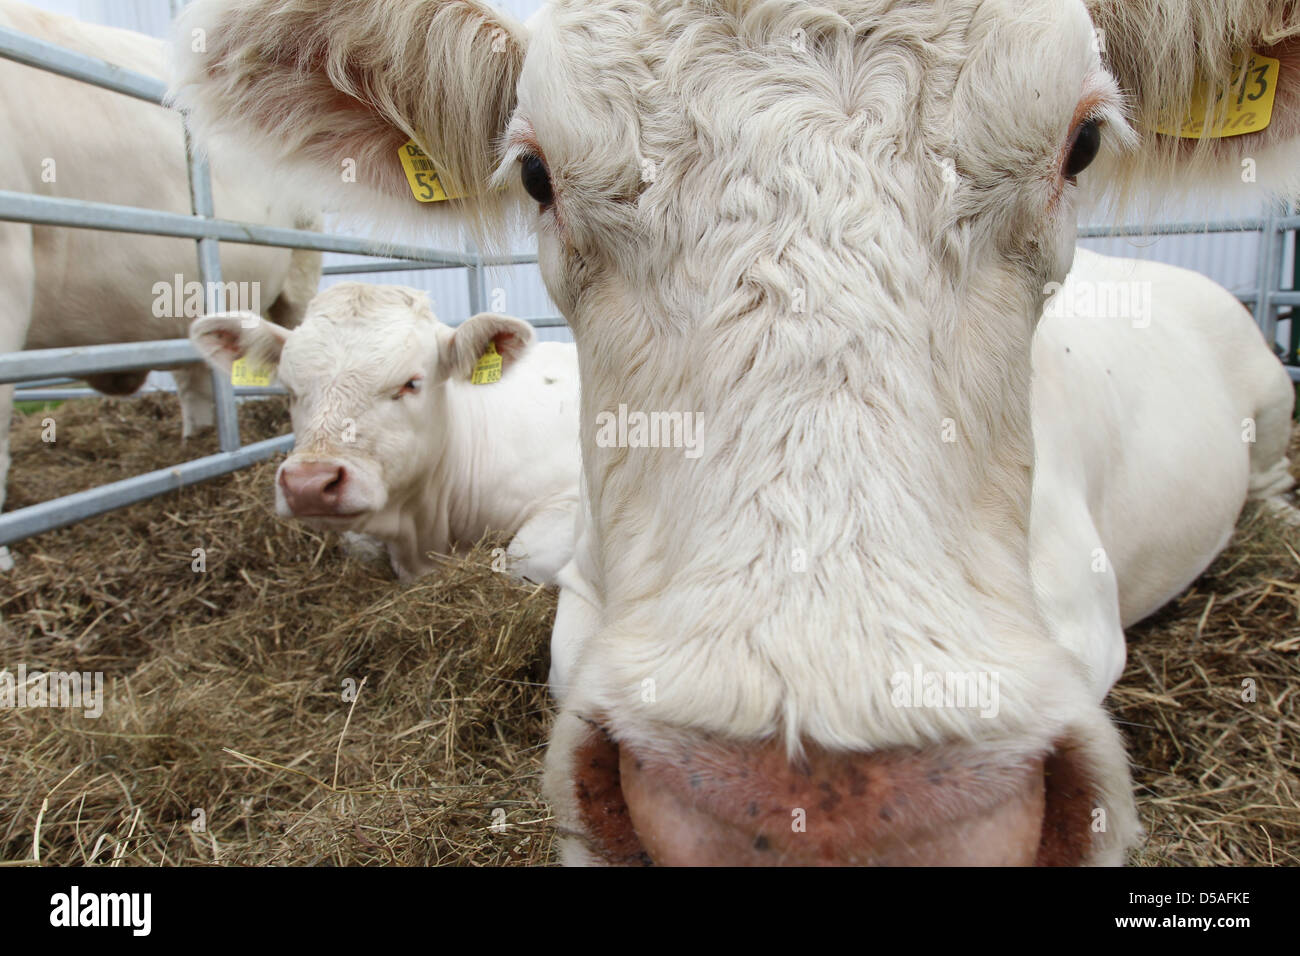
<point>469,341</point>
<point>226,337</point>
<point>331,90</point>
<point>1160,52</point>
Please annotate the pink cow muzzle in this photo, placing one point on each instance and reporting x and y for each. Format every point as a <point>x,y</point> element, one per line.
<point>749,805</point>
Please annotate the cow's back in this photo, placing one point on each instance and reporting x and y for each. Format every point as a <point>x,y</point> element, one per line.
<point>76,141</point>
<point>1145,422</point>
<point>515,446</point>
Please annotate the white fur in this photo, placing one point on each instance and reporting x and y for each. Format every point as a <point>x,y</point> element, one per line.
<point>432,471</point>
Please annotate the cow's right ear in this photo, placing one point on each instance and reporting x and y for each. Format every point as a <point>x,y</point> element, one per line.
<point>333,91</point>
<point>1162,53</point>
<point>224,338</point>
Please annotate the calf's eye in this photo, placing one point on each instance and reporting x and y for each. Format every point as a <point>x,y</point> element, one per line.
<point>1083,149</point>
<point>537,181</point>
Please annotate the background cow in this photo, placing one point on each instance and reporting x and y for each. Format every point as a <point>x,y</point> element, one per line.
<point>1152,426</point>
<point>68,287</point>
<point>826,229</point>
<point>393,440</point>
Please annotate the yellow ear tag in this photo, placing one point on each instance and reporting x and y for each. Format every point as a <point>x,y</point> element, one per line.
<point>242,372</point>
<point>420,174</point>
<point>488,369</point>
<point>1249,106</point>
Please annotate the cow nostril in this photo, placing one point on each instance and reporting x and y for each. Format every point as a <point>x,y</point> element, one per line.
<point>335,484</point>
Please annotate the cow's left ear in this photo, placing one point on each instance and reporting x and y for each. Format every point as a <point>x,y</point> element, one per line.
<point>460,354</point>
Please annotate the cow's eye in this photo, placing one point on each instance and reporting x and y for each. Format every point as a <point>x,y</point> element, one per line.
<point>1083,149</point>
<point>410,388</point>
<point>537,181</point>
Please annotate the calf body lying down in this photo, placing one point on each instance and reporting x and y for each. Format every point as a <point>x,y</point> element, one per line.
<point>393,440</point>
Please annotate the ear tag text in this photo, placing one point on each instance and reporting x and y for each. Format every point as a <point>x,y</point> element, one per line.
<point>488,369</point>
<point>1244,106</point>
<point>243,372</point>
<point>420,174</point>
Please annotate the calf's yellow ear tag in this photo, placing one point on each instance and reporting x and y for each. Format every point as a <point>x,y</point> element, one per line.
<point>488,369</point>
<point>1244,106</point>
<point>420,174</point>
<point>243,372</point>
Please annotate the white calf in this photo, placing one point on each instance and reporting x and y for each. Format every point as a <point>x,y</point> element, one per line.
<point>394,441</point>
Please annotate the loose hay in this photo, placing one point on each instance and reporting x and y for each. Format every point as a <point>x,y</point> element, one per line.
<point>225,688</point>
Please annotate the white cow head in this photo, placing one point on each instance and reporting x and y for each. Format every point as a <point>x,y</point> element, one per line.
<point>825,228</point>
<point>367,375</point>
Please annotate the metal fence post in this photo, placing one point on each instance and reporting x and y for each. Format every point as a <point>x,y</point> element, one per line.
<point>214,293</point>
<point>475,277</point>
<point>1272,251</point>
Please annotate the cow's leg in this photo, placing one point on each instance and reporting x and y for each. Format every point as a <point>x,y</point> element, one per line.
<point>543,545</point>
<point>194,389</point>
<point>365,548</point>
<point>577,618</point>
<point>1270,469</point>
<point>577,614</point>
<point>17,283</point>
<point>1075,582</point>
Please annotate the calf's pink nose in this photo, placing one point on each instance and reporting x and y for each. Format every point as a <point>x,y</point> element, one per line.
<point>313,488</point>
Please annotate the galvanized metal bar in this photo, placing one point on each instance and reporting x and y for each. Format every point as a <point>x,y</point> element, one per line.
<point>1252,224</point>
<point>474,279</point>
<point>83,214</point>
<point>42,55</point>
<point>68,394</point>
<point>49,515</point>
<point>50,382</point>
<point>404,265</point>
<point>1272,250</point>
<point>214,293</point>
<point>46,367</point>
<point>95,359</point>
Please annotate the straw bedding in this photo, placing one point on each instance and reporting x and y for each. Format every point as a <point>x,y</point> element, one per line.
<point>291,705</point>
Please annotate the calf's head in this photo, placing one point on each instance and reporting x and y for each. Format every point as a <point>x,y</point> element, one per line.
<point>825,229</point>
<point>368,374</point>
